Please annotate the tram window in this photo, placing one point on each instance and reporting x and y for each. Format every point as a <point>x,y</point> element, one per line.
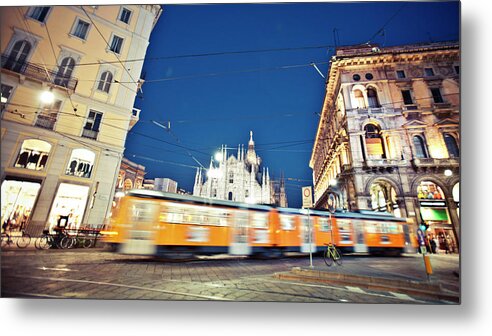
<point>372,227</point>
<point>324,224</point>
<point>260,220</point>
<point>287,222</point>
<point>141,212</point>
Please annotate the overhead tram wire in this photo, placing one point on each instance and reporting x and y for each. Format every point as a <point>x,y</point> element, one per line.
<point>107,44</point>
<point>380,30</point>
<point>219,53</point>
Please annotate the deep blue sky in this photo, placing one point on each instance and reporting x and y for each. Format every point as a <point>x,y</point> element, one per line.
<point>279,106</point>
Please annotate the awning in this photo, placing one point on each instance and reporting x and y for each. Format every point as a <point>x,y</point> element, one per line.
<point>434,214</point>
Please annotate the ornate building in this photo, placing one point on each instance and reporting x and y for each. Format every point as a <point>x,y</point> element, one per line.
<point>131,176</point>
<point>238,179</point>
<point>63,138</point>
<point>388,137</point>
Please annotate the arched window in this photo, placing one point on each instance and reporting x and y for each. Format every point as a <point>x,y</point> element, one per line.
<point>231,177</point>
<point>374,142</point>
<point>65,71</point>
<point>105,81</point>
<point>33,154</point>
<point>372,98</point>
<point>419,144</point>
<point>229,197</point>
<point>18,56</point>
<point>451,145</point>
<point>81,163</point>
<point>359,98</point>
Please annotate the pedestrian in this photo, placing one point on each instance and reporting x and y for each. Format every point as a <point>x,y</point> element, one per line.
<point>436,244</point>
<point>432,242</point>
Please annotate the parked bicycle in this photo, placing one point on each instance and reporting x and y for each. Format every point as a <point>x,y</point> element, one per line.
<point>332,255</point>
<point>22,241</point>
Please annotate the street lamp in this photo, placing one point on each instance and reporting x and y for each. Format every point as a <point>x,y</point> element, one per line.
<point>47,97</point>
<point>333,182</point>
<point>448,172</point>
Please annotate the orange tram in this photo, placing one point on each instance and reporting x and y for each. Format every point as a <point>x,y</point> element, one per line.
<point>147,222</point>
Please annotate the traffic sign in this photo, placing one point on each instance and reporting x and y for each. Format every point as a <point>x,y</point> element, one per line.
<point>421,237</point>
<point>332,202</point>
<point>307,197</point>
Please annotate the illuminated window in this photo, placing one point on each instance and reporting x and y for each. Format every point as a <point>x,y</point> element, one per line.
<point>105,81</point>
<point>429,190</point>
<point>116,44</point>
<point>81,163</point>
<point>374,142</point>
<point>33,154</point>
<point>125,15</point>
<point>287,222</point>
<point>128,184</point>
<point>419,144</point>
<point>38,13</point>
<point>17,58</point>
<point>324,224</point>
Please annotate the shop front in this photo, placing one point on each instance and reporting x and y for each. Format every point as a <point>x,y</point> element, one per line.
<point>435,213</point>
<point>18,199</point>
<point>69,206</point>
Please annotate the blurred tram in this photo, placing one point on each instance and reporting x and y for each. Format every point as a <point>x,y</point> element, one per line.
<point>146,222</point>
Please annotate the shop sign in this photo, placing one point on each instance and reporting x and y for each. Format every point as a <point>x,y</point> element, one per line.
<point>434,204</point>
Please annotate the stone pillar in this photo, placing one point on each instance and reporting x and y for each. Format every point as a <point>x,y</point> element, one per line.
<point>455,220</point>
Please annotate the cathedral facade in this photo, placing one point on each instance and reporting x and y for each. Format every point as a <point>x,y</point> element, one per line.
<point>238,178</point>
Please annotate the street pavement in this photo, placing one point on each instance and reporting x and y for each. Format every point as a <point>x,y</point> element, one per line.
<point>99,274</point>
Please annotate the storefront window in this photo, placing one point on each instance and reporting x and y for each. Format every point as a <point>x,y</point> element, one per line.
<point>33,154</point>
<point>81,163</point>
<point>429,190</point>
<point>18,199</point>
<point>69,206</point>
<point>384,198</point>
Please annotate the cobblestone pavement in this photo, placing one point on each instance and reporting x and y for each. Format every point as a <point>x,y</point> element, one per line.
<point>98,274</point>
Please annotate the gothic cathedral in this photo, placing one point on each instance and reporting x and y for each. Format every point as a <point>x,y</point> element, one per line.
<point>239,179</point>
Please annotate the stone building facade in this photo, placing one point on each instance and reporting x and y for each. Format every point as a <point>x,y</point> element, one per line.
<point>63,137</point>
<point>238,178</point>
<point>388,138</point>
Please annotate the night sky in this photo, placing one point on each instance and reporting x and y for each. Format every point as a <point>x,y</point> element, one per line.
<point>217,99</point>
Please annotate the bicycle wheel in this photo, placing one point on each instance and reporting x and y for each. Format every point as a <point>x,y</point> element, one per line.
<point>24,240</point>
<point>5,240</point>
<point>44,242</point>
<point>327,257</point>
<point>337,256</point>
<point>66,242</point>
<point>87,242</point>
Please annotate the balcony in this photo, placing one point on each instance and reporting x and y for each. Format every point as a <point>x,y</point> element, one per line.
<point>88,133</point>
<point>371,110</point>
<point>383,163</point>
<point>134,118</point>
<point>39,73</point>
<point>411,111</point>
<point>443,109</point>
<point>46,121</point>
<point>432,162</point>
